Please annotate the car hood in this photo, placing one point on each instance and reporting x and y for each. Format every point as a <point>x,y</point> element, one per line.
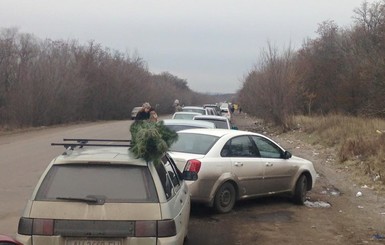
<point>180,158</point>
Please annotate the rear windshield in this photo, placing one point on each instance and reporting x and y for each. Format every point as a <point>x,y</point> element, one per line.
<point>117,183</point>
<point>218,123</point>
<point>197,110</point>
<point>193,143</point>
<point>176,128</point>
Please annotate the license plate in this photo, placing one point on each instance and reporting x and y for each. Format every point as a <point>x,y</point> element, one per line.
<point>93,242</point>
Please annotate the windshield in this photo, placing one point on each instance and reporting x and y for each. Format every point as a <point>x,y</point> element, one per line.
<point>194,143</point>
<point>117,183</point>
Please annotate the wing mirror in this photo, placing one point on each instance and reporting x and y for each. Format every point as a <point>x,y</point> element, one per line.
<point>286,155</point>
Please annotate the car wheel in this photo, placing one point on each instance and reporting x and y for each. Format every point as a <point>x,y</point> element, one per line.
<point>224,199</point>
<point>186,240</point>
<point>300,190</point>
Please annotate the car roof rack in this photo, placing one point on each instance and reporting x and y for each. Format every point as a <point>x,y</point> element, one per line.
<point>85,142</point>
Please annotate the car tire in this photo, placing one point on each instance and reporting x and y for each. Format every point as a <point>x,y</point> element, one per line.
<point>300,190</point>
<point>224,199</point>
<point>186,240</point>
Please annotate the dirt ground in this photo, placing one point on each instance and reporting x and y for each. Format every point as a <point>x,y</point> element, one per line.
<point>338,211</point>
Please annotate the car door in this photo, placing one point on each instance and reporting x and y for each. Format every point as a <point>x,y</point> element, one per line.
<point>178,201</point>
<point>246,165</point>
<point>279,172</point>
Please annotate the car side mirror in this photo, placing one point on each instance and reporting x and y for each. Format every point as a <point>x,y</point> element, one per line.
<point>189,175</point>
<point>234,127</point>
<point>286,155</point>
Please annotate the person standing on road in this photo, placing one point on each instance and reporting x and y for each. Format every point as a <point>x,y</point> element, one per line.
<point>144,113</point>
<point>153,115</point>
<point>177,106</point>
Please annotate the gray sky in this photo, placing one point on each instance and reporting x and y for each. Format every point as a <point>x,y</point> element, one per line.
<point>212,44</point>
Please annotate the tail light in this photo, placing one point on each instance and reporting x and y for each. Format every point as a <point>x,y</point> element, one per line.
<point>193,165</point>
<point>166,228</point>
<point>146,228</point>
<point>43,227</point>
<point>161,228</point>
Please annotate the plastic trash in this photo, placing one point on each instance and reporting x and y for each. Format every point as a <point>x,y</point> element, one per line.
<point>359,194</point>
<point>317,204</point>
<point>378,236</point>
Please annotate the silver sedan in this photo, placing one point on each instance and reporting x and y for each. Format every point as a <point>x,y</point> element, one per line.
<point>235,164</point>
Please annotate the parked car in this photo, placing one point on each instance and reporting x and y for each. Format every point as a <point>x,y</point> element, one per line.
<point>185,115</point>
<point>197,109</point>
<point>216,108</point>
<point>235,164</point>
<point>219,121</point>
<point>99,193</point>
<point>181,124</point>
<point>135,111</point>
<point>226,113</point>
<point>7,240</point>
<point>210,111</point>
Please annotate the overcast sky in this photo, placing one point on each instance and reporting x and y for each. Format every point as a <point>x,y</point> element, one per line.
<point>212,44</point>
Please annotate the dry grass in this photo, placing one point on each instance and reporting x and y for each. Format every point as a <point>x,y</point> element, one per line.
<point>360,141</point>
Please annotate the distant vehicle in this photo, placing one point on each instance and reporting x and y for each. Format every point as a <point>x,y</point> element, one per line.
<point>236,164</point>
<point>135,111</point>
<point>210,111</point>
<point>224,105</point>
<point>226,113</point>
<point>219,121</point>
<point>181,124</point>
<point>216,108</point>
<point>197,109</point>
<point>100,193</point>
<point>185,115</point>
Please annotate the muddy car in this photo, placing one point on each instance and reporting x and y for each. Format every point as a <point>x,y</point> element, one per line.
<point>99,193</point>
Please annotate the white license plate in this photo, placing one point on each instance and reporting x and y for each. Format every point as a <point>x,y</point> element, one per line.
<point>93,242</point>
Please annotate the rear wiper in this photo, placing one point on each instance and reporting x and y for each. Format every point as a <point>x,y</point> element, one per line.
<point>90,199</point>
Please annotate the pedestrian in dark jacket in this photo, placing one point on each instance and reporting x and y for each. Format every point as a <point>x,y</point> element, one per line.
<point>144,113</point>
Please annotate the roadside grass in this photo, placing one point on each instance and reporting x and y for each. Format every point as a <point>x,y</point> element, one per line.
<point>360,142</point>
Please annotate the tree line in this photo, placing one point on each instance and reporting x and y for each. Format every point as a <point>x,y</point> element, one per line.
<point>340,71</point>
<point>47,82</point>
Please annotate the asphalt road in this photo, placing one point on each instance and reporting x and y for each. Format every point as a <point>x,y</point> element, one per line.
<point>24,156</point>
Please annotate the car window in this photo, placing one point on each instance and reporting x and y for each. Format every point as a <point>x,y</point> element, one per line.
<point>197,110</point>
<point>169,177</point>
<point>193,143</point>
<point>240,146</point>
<point>218,123</point>
<point>267,148</point>
<point>176,128</point>
<point>117,183</point>
<point>184,116</point>
<point>172,173</point>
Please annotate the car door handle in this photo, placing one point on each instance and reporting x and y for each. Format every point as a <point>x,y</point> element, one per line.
<point>269,164</point>
<point>238,164</point>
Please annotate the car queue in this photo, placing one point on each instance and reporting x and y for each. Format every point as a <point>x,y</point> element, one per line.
<point>97,192</point>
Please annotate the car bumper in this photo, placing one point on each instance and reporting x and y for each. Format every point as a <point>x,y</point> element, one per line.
<point>58,240</point>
